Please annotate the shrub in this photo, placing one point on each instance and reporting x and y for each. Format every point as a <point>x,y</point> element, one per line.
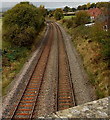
<point>21,23</point>
<point>13,54</point>
<point>106,51</point>
<point>98,34</point>
<point>20,36</point>
<point>58,14</point>
<point>69,23</point>
<point>64,21</point>
<point>82,18</point>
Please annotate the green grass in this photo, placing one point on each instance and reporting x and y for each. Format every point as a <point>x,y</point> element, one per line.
<point>0,33</point>
<point>68,17</point>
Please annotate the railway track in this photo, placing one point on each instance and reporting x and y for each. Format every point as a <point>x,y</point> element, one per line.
<point>65,95</point>
<point>30,98</point>
<point>26,105</point>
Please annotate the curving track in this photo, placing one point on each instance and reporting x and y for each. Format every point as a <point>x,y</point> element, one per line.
<point>30,104</point>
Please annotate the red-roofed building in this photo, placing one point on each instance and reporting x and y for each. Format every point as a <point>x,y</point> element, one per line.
<point>94,13</point>
<point>102,15</point>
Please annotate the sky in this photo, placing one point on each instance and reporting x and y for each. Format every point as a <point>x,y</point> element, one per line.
<point>49,4</point>
<point>54,0</point>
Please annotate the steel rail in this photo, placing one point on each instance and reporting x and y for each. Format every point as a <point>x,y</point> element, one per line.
<point>59,32</point>
<point>14,113</point>
<point>43,76</point>
<point>71,83</point>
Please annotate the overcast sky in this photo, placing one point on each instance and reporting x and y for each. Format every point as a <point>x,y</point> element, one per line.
<point>49,3</point>
<point>54,0</point>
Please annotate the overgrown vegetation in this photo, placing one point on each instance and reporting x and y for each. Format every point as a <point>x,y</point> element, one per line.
<point>93,43</point>
<point>0,33</point>
<point>21,24</point>
<point>92,5</point>
<point>58,14</point>
<point>21,27</point>
<point>81,18</point>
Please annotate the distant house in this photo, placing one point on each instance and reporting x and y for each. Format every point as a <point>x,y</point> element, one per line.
<point>94,13</point>
<point>100,15</point>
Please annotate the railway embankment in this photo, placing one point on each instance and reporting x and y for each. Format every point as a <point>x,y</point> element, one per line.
<point>83,89</point>
<point>92,43</point>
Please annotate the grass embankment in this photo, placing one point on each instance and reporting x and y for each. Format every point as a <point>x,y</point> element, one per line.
<point>14,58</point>
<point>0,33</point>
<point>93,44</point>
<point>0,54</point>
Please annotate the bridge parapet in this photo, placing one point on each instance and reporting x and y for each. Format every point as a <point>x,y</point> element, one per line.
<point>95,109</point>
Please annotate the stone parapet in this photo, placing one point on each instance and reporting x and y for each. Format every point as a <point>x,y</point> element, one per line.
<point>94,109</point>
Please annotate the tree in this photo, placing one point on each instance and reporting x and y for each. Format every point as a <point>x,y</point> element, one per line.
<point>67,9</point>
<point>43,10</point>
<point>21,23</point>
<point>50,13</point>
<point>73,9</point>
<point>83,7</point>
<point>88,5</point>
<point>102,4</point>
<point>58,14</point>
<point>79,7</point>
<point>93,5</point>
<point>82,17</point>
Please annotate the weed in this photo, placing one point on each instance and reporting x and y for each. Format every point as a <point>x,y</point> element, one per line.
<point>99,93</point>
<point>92,78</point>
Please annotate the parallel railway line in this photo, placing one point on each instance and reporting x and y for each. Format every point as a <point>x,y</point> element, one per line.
<point>65,96</point>
<point>26,107</point>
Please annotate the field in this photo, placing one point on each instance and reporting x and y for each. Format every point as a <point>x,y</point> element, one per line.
<point>68,17</point>
<point>0,33</point>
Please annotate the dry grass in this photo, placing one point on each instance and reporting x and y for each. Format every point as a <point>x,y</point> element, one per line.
<point>89,43</point>
<point>97,69</point>
<point>0,33</point>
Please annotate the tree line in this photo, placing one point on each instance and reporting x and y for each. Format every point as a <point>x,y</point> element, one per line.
<point>87,6</point>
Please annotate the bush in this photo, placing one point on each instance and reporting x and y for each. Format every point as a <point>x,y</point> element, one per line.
<point>12,54</point>
<point>21,23</point>
<point>20,36</point>
<point>82,18</point>
<point>96,33</point>
<point>58,14</point>
<point>70,23</point>
<point>64,21</point>
<point>106,50</point>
